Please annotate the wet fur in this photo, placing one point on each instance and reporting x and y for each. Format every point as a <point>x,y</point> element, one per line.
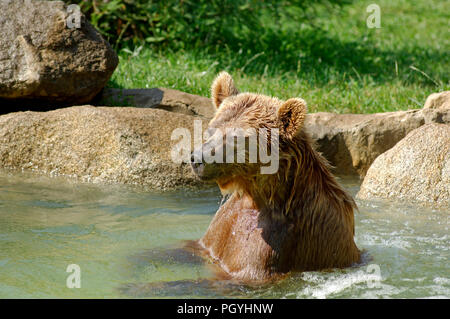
<point>299,219</point>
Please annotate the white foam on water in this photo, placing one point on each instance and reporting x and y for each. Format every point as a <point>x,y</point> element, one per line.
<point>384,291</point>
<point>438,290</point>
<point>414,279</point>
<point>441,281</point>
<point>396,242</point>
<point>323,287</point>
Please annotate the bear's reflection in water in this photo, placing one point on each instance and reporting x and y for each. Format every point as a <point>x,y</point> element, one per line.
<point>218,285</point>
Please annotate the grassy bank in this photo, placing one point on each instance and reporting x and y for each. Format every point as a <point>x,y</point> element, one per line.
<point>339,65</point>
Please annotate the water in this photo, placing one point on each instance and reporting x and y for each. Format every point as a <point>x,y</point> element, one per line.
<point>121,238</point>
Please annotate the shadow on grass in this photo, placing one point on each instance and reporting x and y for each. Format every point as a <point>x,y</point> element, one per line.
<point>317,56</point>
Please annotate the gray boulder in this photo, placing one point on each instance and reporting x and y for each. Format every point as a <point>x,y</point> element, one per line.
<point>351,142</point>
<point>124,145</point>
<point>45,55</point>
<point>416,169</point>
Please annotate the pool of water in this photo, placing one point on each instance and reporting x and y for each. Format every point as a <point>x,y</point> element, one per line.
<point>120,238</point>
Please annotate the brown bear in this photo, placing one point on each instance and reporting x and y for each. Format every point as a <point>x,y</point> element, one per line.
<point>297,219</point>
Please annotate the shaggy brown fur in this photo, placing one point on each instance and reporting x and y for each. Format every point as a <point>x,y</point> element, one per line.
<point>298,219</point>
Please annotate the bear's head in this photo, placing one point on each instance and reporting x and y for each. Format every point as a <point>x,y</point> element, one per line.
<point>241,121</point>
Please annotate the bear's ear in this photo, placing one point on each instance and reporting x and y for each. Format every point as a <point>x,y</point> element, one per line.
<point>222,87</point>
<point>292,116</point>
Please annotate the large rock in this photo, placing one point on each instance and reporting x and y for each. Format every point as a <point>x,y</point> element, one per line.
<point>415,169</point>
<point>162,98</point>
<point>97,144</point>
<point>351,142</point>
<point>45,57</point>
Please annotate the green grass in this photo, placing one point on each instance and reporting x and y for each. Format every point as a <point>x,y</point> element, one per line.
<point>339,66</point>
